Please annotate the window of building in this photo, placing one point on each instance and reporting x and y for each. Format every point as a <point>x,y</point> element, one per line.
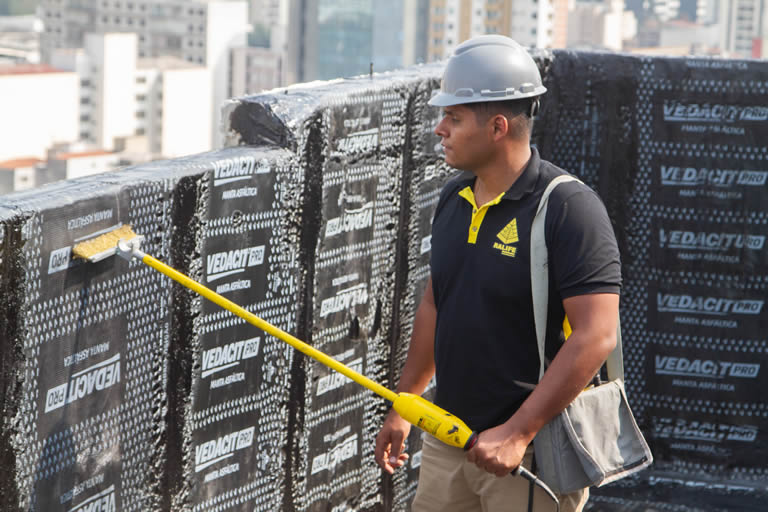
<point>141,97</point>
<point>85,101</point>
<point>141,79</point>
<point>85,83</point>
<point>139,131</point>
<point>104,19</point>
<point>141,114</point>
<point>85,135</point>
<point>85,118</point>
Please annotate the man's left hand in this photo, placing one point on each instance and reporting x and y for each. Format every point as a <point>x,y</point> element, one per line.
<point>498,452</point>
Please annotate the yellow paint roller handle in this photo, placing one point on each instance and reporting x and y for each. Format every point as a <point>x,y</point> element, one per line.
<point>413,408</point>
<point>268,328</point>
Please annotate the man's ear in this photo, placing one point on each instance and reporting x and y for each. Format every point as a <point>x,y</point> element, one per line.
<point>500,126</point>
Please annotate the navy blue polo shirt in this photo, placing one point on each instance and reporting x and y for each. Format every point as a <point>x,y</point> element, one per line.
<point>486,353</point>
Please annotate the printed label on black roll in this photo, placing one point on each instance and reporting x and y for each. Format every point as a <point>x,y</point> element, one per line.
<point>709,119</point>
<point>689,372</point>
<point>712,182</point>
<point>86,382</point>
<point>698,435</point>
<point>708,246</point>
<point>356,128</point>
<point>718,312</point>
<point>216,450</point>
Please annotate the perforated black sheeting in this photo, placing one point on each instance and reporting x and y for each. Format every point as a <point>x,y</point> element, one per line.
<point>326,234</point>
<point>675,147</point>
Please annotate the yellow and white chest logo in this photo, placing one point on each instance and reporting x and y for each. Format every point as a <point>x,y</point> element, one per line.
<point>508,236</point>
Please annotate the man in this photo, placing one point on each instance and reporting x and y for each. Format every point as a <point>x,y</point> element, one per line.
<point>474,329</point>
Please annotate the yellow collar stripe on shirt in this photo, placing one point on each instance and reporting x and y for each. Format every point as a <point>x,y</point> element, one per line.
<point>478,214</point>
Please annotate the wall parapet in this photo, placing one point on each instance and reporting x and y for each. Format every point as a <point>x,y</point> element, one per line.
<point>123,388</point>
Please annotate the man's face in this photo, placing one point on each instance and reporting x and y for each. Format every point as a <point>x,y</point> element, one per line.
<point>465,139</point>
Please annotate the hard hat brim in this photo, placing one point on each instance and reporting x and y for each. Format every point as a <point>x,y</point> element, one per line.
<point>444,99</point>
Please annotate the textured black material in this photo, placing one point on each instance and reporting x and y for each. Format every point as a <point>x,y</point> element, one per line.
<point>675,147</point>
<point>11,354</point>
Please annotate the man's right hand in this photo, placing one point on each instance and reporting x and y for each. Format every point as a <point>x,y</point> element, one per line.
<point>391,441</point>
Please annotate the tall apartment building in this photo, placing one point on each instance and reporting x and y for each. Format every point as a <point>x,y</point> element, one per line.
<point>535,23</point>
<point>199,32</point>
<point>163,101</point>
<point>338,38</point>
<point>266,12</point>
<point>743,27</point>
<point>598,25</point>
<point>39,106</point>
<point>665,10</point>
<point>254,70</point>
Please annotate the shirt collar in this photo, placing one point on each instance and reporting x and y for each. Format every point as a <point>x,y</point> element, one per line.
<point>526,182</point>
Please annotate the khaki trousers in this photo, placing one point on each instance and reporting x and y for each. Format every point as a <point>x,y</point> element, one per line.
<point>448,483</point>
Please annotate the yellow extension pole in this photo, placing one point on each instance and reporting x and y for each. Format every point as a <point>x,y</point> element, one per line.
<point>268,328</point>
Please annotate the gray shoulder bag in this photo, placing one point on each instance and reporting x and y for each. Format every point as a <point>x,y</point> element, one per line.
<point>595,440</point>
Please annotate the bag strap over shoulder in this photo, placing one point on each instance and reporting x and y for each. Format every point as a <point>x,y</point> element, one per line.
<point>540,285</point>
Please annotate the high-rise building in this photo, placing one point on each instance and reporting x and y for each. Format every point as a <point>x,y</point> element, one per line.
<point>338,38</point>
<point>20,39</point>
<point>164,101</point>
<point>200,32</point>
<point>534,23</point>
<point>742,27</point>
<point>39,106</point>
<point>665,10</point>
<point>254,70</point>
<point>597,24</point>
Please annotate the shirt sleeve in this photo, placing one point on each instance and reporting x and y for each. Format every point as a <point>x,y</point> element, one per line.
<point>583,253</point>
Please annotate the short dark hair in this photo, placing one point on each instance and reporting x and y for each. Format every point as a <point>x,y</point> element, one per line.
<point>517,112</point>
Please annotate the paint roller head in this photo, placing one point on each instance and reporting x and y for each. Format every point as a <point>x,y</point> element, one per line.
<point>104,246</point>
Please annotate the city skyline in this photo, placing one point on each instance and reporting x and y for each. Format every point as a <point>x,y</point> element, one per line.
<point>136,71</point>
